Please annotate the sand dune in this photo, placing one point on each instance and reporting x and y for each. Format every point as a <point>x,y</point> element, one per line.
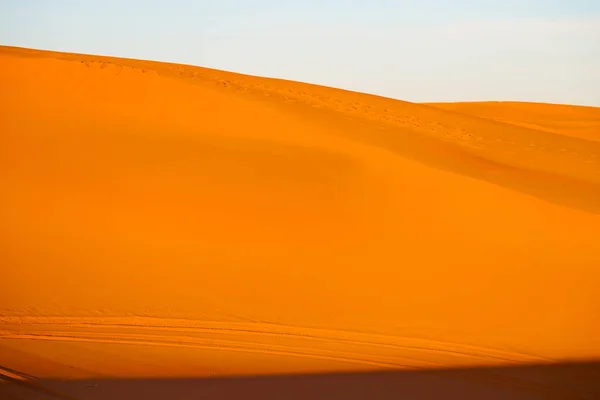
<point>577,121</point>
<point>169,221</point>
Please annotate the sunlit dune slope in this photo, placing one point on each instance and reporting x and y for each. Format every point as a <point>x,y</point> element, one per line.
<point>169,220</point>
<point>577,121</point>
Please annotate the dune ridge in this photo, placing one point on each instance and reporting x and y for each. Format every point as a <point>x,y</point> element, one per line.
<point>578,121</point>
<point>171,220</point>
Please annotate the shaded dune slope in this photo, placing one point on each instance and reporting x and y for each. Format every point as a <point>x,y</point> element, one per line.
<point>523,382</point>
<point>163,219</point>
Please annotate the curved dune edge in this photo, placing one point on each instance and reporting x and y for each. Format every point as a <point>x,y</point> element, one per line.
<point>162,219</point>
<point>576,121</point>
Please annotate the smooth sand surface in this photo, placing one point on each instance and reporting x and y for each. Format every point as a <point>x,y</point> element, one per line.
<point>168,221</point>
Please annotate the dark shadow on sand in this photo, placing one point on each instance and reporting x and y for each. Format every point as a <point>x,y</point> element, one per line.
<point>556,381</point>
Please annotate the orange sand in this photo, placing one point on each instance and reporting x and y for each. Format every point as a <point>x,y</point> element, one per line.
<point>578,121</point>
<point>162,220</point>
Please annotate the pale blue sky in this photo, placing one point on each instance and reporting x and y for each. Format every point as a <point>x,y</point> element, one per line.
<point>415,50</point>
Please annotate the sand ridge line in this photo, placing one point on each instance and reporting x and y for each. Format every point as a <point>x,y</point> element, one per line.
<point>421,127</point>
<point>359,108</point>
<point>567,120</point>
<point>378,108</point>
<point>243,347</point>
<point>318,96</point>
<point>167,340</point>
<point>312,334</point>
<point>580,154</point>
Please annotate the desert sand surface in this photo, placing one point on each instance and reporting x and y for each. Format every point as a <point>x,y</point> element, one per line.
<point>170,231</point>
<point>577,121</point>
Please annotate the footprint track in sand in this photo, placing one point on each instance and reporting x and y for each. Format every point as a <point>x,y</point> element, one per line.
<point>220,345</point>
<point>251,333</point>
<point>10,376</point>
<point>34,385</point>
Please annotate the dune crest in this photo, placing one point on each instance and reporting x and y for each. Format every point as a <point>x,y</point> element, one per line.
<point>577,121</point>
<point>170,220</point>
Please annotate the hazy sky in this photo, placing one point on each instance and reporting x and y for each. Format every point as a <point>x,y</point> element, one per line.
<point>416,50</point>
